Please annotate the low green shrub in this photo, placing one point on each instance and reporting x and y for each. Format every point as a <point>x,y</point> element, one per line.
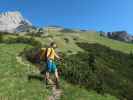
<point>67,40</point>
<point>22,39</point>
<point>99,68</point>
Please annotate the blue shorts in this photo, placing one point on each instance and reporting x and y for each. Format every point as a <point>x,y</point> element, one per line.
<point>51,66</point>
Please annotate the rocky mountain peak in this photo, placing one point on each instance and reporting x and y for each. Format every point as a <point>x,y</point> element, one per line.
<point>10,21</point>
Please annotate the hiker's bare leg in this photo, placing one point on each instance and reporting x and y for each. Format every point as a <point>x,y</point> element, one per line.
<point>48,78</point>
<point>56,78</point>
<point>56,75</point>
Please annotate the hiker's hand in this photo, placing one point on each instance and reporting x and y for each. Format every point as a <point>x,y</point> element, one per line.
<point>61,59</point>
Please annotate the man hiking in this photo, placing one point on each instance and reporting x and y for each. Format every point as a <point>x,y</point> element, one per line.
<point>51,66</point>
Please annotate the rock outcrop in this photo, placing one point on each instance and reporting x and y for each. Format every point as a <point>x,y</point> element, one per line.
<point>121,36</point>
<point>13,22</point>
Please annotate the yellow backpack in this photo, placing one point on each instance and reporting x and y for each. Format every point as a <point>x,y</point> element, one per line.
<point>43,54</point>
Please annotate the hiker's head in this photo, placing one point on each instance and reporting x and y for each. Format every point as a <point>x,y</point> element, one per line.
<point>53,44</point>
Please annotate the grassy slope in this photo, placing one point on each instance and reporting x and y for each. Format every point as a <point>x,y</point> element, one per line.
<point>72,92</point>
<point>21,87</point>
<point>90,37</point>
<point>15,86</point>
<point>13,77</point>
<point>114,44</point>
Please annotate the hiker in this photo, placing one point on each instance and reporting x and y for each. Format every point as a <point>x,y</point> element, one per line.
<point>51,66</point>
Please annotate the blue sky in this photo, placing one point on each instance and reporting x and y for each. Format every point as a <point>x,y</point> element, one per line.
<point>106,15</point>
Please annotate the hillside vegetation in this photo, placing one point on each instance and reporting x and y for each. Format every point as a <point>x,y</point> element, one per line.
<point>67,41</point>
<point>107,71</point>
<point>94,66</point>
<point>14,84</point>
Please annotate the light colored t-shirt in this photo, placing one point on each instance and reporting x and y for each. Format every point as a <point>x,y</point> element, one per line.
<point>51,54</point>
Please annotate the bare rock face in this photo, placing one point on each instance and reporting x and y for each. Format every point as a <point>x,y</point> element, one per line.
<point>121,36</point>
<point>11,21</point>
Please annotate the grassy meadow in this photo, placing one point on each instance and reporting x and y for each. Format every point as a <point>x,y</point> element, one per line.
<point>14,84</point>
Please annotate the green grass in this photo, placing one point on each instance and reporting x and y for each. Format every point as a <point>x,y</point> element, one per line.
<point>114,44</point>
<point>73,92</point>
<point>90,37</point>
<point>15,86</point>
<point>13,77</point>
<point>105,71</point>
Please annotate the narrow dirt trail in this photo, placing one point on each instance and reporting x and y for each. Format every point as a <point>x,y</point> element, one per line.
<point>19,60</point>
<point>56,93</point>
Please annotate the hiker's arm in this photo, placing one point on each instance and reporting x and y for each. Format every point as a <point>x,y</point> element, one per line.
<point>57,56</point>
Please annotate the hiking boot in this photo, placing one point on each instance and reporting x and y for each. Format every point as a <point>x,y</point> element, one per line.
<point>46,82</point>
<point>57,84</point>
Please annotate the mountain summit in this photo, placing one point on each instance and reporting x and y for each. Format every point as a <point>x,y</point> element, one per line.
<point>13,22</point>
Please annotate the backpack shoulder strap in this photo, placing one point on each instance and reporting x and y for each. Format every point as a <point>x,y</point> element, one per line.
<point>50,51</point>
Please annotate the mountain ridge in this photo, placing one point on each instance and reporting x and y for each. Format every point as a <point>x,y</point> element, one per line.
<point>11,21</point>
